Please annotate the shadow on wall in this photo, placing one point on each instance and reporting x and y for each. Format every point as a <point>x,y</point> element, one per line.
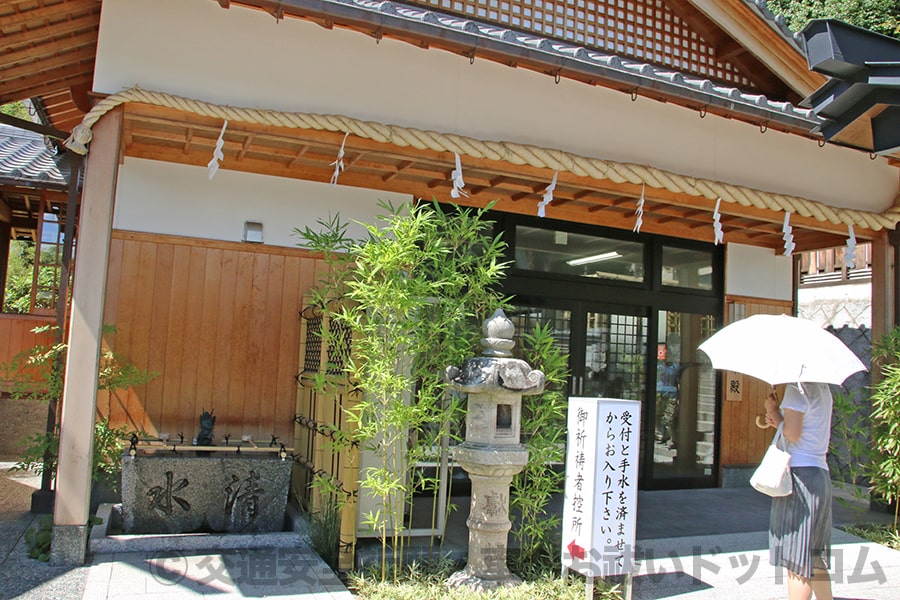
<point>19,419</point>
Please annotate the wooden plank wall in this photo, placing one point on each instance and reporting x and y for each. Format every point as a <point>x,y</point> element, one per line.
<point>218,322</point>
<point>743,443</point>
<point>17,335</point>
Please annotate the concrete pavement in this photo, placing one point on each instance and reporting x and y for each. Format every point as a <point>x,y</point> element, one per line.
<point>692,545</point>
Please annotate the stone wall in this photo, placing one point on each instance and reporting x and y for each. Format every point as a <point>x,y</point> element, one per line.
<point>856,389</point>
<point>837,305</point>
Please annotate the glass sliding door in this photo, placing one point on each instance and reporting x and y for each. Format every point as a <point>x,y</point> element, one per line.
<point>607,350</point>
<point>629,310</point>
<point>525,318</point>
<point>685,408</point>
<point>615,356</point>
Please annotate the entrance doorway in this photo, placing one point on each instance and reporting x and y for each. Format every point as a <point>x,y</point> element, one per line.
<point>630,312</point>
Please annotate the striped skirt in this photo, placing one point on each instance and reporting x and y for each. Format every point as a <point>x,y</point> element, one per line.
<point>800,524</point>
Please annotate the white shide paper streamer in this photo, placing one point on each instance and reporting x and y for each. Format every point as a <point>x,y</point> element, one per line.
<point>338,163</point>
<point>458,182</point>
<point>717,224</point>
<point>639,212</point>
<point>850,251</point>
<point>212,166</point>
<point>548,196</point>
<point>787,235</point>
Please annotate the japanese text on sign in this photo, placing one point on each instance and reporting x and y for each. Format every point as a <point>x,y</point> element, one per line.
<point>599,514</point>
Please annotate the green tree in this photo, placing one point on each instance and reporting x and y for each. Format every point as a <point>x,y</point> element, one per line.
<point>37,374</point>
<point>880,16</point>
<point>884,466</point>
<point>16,109</point>
<point>536,529</point>
<point>413,294</point>
<point>19,273</point>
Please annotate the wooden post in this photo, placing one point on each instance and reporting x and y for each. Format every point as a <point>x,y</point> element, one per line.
<point>76,443</point>
<point>5,235</point>
<point>884,284</point>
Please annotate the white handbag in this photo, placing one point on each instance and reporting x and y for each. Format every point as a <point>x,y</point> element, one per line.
<point>773,475</point>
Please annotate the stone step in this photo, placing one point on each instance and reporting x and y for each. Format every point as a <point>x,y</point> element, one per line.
<point>706,425</point>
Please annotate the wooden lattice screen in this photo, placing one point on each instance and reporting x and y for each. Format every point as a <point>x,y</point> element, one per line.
<point>645,30</point>
<point>319,415</point>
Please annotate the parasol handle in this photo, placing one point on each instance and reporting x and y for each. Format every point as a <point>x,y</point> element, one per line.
<point>761,420</point>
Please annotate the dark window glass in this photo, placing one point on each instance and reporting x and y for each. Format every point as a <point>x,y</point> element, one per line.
<point>687,268</point>
<point>567,253</point>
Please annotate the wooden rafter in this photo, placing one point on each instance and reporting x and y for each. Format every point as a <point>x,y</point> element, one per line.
<point>47,51</point>
<point>171,135</point>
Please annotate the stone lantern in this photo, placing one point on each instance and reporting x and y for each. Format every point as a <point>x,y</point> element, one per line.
<point>491,454</point>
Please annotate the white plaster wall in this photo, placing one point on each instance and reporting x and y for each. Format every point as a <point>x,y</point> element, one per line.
<point>758,273</point>
<point>158,197</point>
<point>244,57</point>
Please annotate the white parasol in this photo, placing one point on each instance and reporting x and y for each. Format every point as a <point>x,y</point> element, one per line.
<point>781,349</point>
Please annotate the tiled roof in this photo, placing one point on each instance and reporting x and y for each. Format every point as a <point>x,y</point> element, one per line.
<point>26,160</point>
<point>579,58</point>
<point>776,21</point>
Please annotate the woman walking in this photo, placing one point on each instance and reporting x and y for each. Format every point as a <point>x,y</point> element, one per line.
<point>800,523</point>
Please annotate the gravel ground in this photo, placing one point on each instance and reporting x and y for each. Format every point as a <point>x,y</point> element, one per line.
<point>20,576</point>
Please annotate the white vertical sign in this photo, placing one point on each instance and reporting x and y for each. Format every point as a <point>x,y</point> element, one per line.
<point>600,507</point>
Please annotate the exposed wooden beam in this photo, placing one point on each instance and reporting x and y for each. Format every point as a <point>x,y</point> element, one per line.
<point>36,53</point>
<point>56,77</point>
<point>766,234</point>
<point>777,54</point>
<point>189,136</point>
<point>44,13</point>
<point>306,154</point>
<point>399,169</point>
<point>33,192</point>
<point>33,37</point>
<point>32,126</point>
<point>39,87</point>
<point>350,162</point>
<point>81,98</point>
<point>303,150</point>
<point>60,61</point>
<point>5,212</point>
<point>245,145</point>
<point>701,25</point>
<point>729,49</point>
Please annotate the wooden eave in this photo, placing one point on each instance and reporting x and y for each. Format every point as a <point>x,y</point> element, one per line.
<point>760,39</point>
<point>728,48</point>
<point>170,135</point>
<point>47,50</point>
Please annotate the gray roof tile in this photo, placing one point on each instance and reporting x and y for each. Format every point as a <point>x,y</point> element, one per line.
<point>26,159</point>
<point>570,55</point>
<point>775,21</point>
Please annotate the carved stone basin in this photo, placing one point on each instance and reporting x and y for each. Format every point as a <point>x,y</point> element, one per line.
<point>187,492</point>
